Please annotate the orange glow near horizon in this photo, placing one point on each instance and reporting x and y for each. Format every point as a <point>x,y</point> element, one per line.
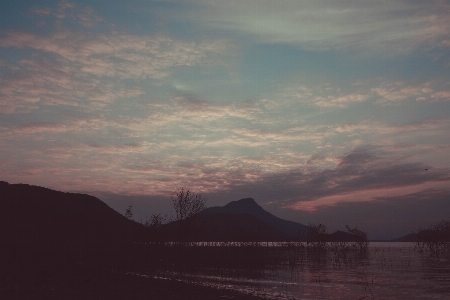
<point>364,196</point>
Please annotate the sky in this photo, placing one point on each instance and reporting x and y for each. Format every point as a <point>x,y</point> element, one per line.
<point>334,112</point>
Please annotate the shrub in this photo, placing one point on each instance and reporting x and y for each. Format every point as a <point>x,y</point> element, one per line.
<point>317,236</point>
<point>434,238</point>
<point>360,237</point>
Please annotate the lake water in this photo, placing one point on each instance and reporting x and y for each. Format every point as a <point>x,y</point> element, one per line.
<point>387,271</point>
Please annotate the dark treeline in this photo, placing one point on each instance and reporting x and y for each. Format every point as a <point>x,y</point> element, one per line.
<point>319,240</point>
<point>241,221</point>
<point>181,244</point>
<point>434,238</point>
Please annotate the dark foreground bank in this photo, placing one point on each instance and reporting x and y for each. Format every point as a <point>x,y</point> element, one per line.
<point>78,281</point>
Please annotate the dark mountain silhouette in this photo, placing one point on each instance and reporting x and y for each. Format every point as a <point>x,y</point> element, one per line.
<point>287,229</point>
<point>339,236</point>
<point>422,236</point>
<point>412,237</point>
<point>31,213</point>
<point>219,227</point>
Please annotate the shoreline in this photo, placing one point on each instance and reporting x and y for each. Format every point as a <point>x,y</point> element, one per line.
<point>78,281</point>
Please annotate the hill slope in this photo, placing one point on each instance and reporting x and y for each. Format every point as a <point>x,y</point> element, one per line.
<point>248,206</point>
<point>30,213</point>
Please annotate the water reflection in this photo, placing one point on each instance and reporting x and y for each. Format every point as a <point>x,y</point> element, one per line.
<point>386,271</point>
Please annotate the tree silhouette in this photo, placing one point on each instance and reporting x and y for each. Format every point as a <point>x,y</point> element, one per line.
<point>155,221</point>
<point>317,236</point>
<point>186,204</point>
<point>360,237</point>
<point>434,238</point>
<point>129,213</point>
<point>154,225</point>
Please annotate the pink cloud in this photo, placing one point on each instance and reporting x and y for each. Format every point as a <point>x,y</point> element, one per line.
<point>42,11</point>
<point>88,17</point>
<point>397,92</point>
<point>364,196</point>
<point>63,5</point>
<point>324,95</point>
<point>340,100</point>
<point>441,95</point>
<point>56,84</point>
<point>119,55</point>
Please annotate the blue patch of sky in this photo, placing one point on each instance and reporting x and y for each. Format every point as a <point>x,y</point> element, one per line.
<point>133,108</point>
<point>266,63</point>
<point>213,84</point>
<point>15,15</point>
<point>140,17</point>
<point>417,111</point>
<point>280,63</point>
<point>274,62</point>
<point>409,68</point>
<point>15,119</point>
<point>13,55</point>
<point>396,114</point>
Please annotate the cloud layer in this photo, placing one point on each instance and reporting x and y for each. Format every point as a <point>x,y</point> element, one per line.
<point>393,28</point>
<point>311,109</point>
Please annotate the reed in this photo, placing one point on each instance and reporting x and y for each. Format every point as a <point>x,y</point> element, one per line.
<point>227,258</point>
<point>434,239</point>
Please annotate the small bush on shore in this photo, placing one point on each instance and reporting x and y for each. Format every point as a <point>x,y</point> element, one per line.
<point>434,239</point>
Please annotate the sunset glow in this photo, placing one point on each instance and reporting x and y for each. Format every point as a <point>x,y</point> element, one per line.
<point>306,106</point>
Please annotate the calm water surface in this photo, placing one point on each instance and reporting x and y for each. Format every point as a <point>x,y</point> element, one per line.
<point>388,271</point>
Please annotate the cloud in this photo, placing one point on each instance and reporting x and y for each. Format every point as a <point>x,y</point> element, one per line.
<point>79,68</point>
<point>118,149</point>
<point>340,101</point>
<point>191,103</point>
<point>261,145</point>
<point>379,91</point>
<point>88,17</point>
<point>40,82</point>
<point>385,216</point>
<point>209,150</point>
<point>324,94</point>
<point>359,173</point>
<point>233,140</point>
<point>118,55</point>
<point>441,95</point>
<point>369,169</point>
<point>396,28</point>
<point>41,11</point>
<point>396,92</point>
<point>63,6</point>
<point>69,11</point>
<point>229,145</point>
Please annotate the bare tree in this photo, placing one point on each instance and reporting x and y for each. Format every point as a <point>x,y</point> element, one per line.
<point>154,225</point>
<point>156,221</point>
<point>360,237</point>
<point>186,204</point>
<point>317,235</point>
<point>129,213</point>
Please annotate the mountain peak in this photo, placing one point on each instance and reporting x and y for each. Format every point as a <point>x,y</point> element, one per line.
<point>250,199</point>
<point>249,206</point>
<point>245,205</point>
<point>246,201</point>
